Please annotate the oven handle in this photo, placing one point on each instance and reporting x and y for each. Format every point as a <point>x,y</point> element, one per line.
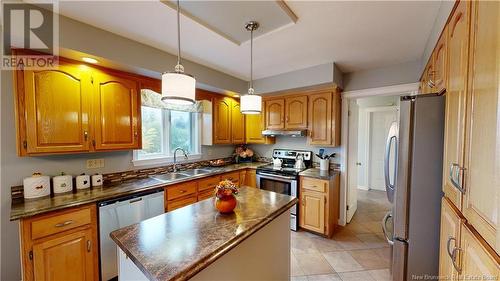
<point>276,176</point>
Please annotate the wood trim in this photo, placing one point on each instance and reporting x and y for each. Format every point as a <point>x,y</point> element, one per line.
<point>299,92</point>
<point>400,89</point>
<point>287,10</point>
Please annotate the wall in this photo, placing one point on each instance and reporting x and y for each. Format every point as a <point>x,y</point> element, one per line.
<point>91,40</point>
<point>408,72</point>
<point>317,75</point>
<point>299,143</point>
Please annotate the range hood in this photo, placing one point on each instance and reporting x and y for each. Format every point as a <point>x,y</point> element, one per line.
<point>290,133</point>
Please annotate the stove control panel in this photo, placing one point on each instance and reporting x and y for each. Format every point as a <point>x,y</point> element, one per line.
<point>291,154</point>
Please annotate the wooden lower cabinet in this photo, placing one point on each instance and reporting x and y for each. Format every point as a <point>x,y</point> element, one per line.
<point>58,246</point>
<point>319,204</point>
<point>476,260</point>
<point>251,178</point>
<point>449,241</point>
<point>180,202</point>
<point>232,176</point>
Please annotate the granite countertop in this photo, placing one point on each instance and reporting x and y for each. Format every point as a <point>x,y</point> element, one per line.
<point>26,208</point>
<point>319,174</point>
<point>164,249</point>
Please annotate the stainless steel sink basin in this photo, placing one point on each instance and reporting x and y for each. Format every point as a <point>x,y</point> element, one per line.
<point>170,177</point>
<point>195,172</point>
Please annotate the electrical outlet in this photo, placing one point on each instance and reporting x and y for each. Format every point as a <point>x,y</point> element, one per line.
<point>95,163</point>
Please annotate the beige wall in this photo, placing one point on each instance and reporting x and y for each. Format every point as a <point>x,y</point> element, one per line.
<point>84,38</point>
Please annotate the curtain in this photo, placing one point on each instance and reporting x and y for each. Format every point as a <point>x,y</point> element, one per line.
<point>152,99</point>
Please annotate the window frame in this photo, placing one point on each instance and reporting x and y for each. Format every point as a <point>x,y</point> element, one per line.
<point>166,157</point>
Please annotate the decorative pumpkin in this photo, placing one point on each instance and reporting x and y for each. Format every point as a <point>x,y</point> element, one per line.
<point>225,200</point>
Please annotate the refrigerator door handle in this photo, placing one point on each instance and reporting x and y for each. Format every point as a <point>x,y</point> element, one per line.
<point>390,138</point>
<point>387,216</point>
<point>455,172</point>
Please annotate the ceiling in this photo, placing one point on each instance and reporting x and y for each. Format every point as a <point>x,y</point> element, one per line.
<point>356,35</point>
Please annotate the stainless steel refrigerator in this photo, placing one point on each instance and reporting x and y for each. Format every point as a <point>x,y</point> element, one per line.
<point>413,175</point>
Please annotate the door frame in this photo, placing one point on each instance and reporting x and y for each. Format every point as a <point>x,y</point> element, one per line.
<point>395,90</point>
<point>369,110</point>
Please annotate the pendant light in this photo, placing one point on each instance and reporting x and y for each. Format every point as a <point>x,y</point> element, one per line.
<point>251,103</point>
<point>178,87</point>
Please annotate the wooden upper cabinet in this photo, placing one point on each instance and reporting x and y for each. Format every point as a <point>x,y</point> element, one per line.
<point>482,142</point>
<point>56,110</point>
<point>456,94</point>
<point>296,112</point>
<point>254,125</point>
<point>116,112</point>
<point>275,114</point>
<point>320,118</point>
<point>476,260</point>
<point>65,257</point>
<point>449,239</point>
<point>439,63</point>
<point>237,123</point>
<point>222,120</point>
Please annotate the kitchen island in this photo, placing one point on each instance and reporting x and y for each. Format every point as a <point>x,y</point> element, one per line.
<point>198,243</point>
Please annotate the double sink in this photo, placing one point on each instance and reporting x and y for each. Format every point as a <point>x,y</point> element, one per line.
<point>184,174</point>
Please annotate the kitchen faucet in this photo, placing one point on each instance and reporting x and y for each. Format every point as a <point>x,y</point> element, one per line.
<point>175,157</point>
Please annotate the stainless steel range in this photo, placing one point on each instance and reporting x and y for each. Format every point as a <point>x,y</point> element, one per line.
<point>284,178</point>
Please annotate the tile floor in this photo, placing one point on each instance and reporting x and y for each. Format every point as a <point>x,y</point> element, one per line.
<point>357,252</point>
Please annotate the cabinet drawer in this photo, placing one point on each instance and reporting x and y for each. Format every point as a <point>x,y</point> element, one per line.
<point>233,176</point>
<point>208,183</point>
<point>205,194</point>
<point>61,222</point>
<point>179,203</point>
<point>314,184</point>
<point>180,190</point>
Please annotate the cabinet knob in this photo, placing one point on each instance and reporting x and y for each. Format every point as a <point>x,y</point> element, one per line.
<point>85,135</point>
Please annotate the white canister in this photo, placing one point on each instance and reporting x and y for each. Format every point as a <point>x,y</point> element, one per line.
<point>96,180</point>
<point>62,183</point>
<point>324,164</point>
<point>36,186</point>
<point>82,181</point>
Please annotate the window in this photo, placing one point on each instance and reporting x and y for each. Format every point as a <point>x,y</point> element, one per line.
<point>163,131</point>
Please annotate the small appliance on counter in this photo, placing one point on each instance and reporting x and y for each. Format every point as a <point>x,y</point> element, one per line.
<point>36,186</point>
<point>96,180</point>
<point>285,177</point>
<point>62,183</point>
<point>82,181</point>
<point>277,162</point>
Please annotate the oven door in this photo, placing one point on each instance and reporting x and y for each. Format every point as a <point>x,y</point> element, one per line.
<point>279,184</point>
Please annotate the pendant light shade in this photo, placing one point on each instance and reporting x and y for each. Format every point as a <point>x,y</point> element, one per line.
<point>251,103</point>
<point>178,87</point>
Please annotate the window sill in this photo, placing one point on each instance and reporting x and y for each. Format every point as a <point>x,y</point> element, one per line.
<point>165,160</point>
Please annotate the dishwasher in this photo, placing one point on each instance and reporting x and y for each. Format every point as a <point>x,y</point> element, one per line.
<point>121,212</point>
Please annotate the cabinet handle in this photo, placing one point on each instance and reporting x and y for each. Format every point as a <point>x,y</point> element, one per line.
<point>448,244</point>
<point>89,246</point>
<point>66,223</point>
<point>182,191</point>
<point>456,171</point>
<point>85,135</point>
<point>135,134</point>
<point>287,118</point>
<point>453,254</point>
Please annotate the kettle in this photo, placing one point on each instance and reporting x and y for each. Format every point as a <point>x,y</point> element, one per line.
<point>277,162</point>
<point>299,162</point>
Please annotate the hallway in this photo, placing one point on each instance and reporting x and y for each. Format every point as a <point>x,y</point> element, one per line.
<point>357,252</point>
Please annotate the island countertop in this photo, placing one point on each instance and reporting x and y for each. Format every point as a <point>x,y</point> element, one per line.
<point>179,244</point>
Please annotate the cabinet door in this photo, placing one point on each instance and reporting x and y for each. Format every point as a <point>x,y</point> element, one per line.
<point>237,124</point>
<point>251,178</point>
<point>320,119</point>
<point>296,112</point>
<point>336,118</point>
<point>222,121</point>
<point>117,115</point>
<point>57,109</point>
<point>483,141</point>
<point>275,114</point>
<point>449,240</point>
<point>477,262</point>
<point>254,125</point>
<point>457,56</point>
<point>312,211</point>
<point>427,77</point>
<point>439,63</point>
<point>68,257</point>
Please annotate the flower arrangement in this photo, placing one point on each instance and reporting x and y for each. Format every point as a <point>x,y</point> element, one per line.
<point>225,188</point>
<point>225,201</point>
<point>243,154</point>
